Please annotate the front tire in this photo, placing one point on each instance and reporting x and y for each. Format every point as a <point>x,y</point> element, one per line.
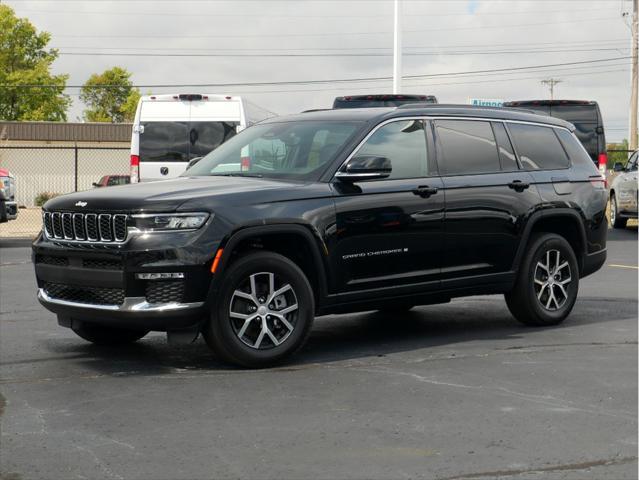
<point>547,283</point>
<point>264,312</point>
<point>101,335</point>
<point>615,219</point>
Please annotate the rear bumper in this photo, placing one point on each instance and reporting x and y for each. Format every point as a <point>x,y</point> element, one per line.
<point>593,262</point>
<point>134,312</point>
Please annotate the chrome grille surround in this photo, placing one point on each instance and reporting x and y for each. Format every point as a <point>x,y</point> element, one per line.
<point>96,228</point>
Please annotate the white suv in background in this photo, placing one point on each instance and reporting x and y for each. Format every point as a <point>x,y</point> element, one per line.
<point>623,193</point>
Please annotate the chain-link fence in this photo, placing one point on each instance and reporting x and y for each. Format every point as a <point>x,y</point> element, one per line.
<point>42,172</point>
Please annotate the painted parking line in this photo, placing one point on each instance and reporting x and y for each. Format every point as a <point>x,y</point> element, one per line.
<point>634,267</point>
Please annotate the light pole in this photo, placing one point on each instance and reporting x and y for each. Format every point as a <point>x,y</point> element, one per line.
<point>397,48</point>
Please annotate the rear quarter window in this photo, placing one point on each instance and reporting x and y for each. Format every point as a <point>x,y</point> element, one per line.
<point>538,147</point>
<point>578,155</point>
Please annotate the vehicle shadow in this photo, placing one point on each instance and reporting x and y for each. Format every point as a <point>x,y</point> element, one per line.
<point>347,338</point>
<point>623,234</point>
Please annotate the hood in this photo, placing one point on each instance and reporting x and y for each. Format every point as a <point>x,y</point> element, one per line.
<point>169,195</point>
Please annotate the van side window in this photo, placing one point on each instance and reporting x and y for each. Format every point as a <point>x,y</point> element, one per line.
<point>538,147</point>
<point>404,144</point>
<point>573,147</point>
<point>468,146</point>
<point>506,153</point>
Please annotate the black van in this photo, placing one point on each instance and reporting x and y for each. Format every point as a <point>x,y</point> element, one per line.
<point>583,114</point>
<point>384,100</point>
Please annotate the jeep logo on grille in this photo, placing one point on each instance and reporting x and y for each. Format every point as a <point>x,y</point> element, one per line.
<point>80,204</point>
<point>164,170</point>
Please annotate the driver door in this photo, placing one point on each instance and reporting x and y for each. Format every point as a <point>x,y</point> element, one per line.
<point>388,232</point>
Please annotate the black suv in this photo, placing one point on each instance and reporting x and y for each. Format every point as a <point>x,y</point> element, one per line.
<point>330,212</point>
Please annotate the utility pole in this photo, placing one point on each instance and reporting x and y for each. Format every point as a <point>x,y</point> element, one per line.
<point>632,136</point>
<point>397,48</point>
<point>551,82</point>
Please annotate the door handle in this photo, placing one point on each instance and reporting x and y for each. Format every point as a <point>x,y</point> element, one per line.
<point>518,185</point>
<point>424,191</point>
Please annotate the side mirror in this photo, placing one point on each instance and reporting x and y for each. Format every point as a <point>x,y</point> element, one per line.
<point>193,161</point>
<point>365,167</point>
<point>618,167</point>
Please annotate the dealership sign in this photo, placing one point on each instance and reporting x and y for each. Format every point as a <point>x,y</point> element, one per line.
<point>486,102</point>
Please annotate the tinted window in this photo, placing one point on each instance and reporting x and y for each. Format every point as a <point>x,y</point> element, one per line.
<point>468,147</point>
<point>575,150</point>
<point>404,143</point>
<point>164,141</point>
<point>572,113</point>
<point>506,154</point>
<point>295,150</point>
<point>538,147</point>
<point>181,141</point>
<point>207,136</point>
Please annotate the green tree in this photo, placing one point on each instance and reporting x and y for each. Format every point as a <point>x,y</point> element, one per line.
<point>619,155</point>
<point>110,96</point>
<point>25,60</point>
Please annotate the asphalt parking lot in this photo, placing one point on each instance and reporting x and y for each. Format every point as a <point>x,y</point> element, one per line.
<point>458,391</point>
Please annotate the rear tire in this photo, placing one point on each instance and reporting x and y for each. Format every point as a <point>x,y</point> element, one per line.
<point>263,313</point>
<point>101,335</point>
<point>547,282</point>
<point>615,219</point>
<point>3,212</point>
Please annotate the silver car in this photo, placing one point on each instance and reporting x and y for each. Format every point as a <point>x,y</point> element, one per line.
<point>623,193</point>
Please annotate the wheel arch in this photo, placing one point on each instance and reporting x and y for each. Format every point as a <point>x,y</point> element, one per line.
<point>298,243</point>
<point>564,222</point>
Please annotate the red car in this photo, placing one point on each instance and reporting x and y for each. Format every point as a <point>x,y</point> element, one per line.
<point>110,180</point>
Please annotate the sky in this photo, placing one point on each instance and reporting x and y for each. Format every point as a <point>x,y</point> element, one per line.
<point>239,42</point>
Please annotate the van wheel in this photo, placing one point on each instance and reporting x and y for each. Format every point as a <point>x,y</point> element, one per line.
<point>264,312</point>
<point>547,283</point>
<point>3,212</point>
<point>101,335</point>
<point>615,220</point>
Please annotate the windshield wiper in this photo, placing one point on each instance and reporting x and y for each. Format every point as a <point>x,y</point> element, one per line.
<point>237,174</point>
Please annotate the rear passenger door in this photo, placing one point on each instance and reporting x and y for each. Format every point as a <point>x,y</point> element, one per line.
<point>487,198</point>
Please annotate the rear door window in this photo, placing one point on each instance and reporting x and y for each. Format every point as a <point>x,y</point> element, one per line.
<point>468,147</point>
<point>538,147</point>
<point>164,141</point>
<point>207,136</point>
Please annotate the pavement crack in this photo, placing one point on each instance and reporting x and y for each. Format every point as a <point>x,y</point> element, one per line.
<point>551,468</point>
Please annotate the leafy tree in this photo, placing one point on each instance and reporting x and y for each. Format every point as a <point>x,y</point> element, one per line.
<point>110,96</point>
<point>25,60</point>
<point>619,155</point>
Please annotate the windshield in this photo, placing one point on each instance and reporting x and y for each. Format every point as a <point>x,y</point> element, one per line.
<point>181,141</point>
<point>294,150</point>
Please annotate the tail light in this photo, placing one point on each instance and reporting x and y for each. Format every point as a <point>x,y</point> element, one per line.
<point>245,164</point>
<point>602,160</point>
<point>135,169</point>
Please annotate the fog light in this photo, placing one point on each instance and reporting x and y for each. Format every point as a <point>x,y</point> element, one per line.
<point>158,276</point>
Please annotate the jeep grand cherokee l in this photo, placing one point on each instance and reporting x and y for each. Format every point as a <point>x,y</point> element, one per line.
<point>330,212</point>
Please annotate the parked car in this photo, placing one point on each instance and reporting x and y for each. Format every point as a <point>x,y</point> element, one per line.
<point>170,130</point>
<point>110,180</point>
<point>383,100</point>
<point>623,193</point>
<point>335,211</point>
<point>585,115</point>
<point>8,205</point>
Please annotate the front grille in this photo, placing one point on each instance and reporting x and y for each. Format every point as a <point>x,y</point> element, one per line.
<point>88,295</point>
<point>86,227</point>
<point>102,264</point>
<point>164,291</point>
<point>52,260</point>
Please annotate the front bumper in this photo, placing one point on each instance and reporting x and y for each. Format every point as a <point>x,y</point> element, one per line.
<point>100,284</point>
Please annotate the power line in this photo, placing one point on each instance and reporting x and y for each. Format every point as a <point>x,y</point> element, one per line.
<point>339,80</point>
<point>333,34</point>
<point>324,55</point>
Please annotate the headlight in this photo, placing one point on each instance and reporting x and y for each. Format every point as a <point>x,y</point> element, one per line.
<point>169,221</point>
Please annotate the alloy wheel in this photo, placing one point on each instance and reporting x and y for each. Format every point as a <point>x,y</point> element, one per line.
<point>263,311</point>
<point>613,209</point>
<point>552,279</point>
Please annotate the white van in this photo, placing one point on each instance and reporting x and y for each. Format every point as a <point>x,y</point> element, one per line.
<point>169,130</point>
